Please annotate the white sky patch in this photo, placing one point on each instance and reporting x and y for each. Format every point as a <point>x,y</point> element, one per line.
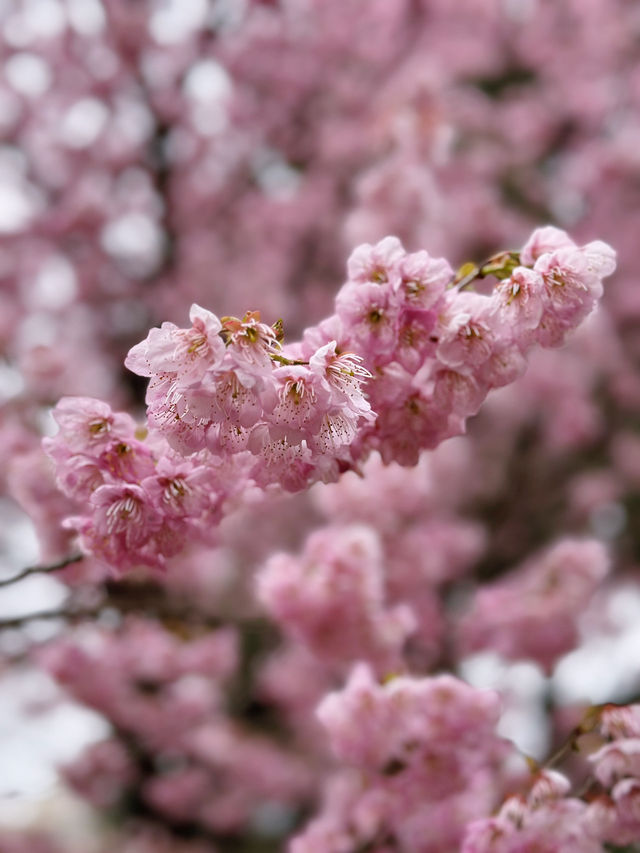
<point>32,745</point>
<point>134,239</point>
<point>130,235</point>
<point>520,10</point>
<point>606,667</point>
<point>21,201</point>
<point>39,729</point>
<point>17,539</point>
<point>227,15</point>
<point>55,285</point>
<point>568,206</point>
<point>608,520</point>
<point>18,207</point>
<point>208,81</point>
<point>174,20</point>
<point>209,87</point>
<point>31,594</point>
<point>84,122</point>
<point>275,176</point>
<point>15,31</point>
<point>87,17</point>
<point>45,19</point>
<point>522,684</point>
<point>28,74</point>
<point>38,329</point>
<point>279,180</point>
<point>11,382</point>
<point>46,422</point>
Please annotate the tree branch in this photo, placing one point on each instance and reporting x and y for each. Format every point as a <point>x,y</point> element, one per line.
<point>37,570</point>
<point>19,621</point>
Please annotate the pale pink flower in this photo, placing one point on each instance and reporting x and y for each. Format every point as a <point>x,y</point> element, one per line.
<point>369,314</point>
<point>378,264</point>
<point>616,760</point>
<point>466,331</point>
<point>554,827</point>
<point>302,402</point>
<point>343,376</point>
<point>616,818</point>
<point>87,425</point>
<point>127,460</point>
<point>423,279</point>
<point>505,364</point>
<point>571,285</point>
<point>229,396</point>
<point>621,721</point>
<point>170,352</point>
<point>250,345</point>
<point>544,240</point>
<point>416,338</point>
<point>122,527</point>
<point>457,392</point>
<point>278,461</point>
<point>182,490</point>
<point>520,299</point>
<point>77,475</point>
<point>602,259</point>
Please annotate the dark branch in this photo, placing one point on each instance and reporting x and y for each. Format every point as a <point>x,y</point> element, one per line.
<point>39,570</point>
<point>19,621</point>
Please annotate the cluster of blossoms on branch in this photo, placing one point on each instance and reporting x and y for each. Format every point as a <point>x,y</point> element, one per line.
<point>549,817</point>
<point>408,356</point>
<point>174,742</point>
<point>421,758</point>
<point>232,407</point>
<point>228,154</point>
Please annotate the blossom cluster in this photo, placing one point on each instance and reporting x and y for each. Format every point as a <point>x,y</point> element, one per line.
<point>420,751</point>
<point>551,818</point>
<point>533,614</point>
<point>228,154</point>
<point>175,744</point>
<point>406,358</point>
<point>144,505</point>
<point>332,600</point>
<point>244,395</point>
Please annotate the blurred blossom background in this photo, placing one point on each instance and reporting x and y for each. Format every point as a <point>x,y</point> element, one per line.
<point>156,153</point>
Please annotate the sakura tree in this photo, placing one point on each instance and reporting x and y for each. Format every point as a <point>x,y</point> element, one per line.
<point>316,400</point>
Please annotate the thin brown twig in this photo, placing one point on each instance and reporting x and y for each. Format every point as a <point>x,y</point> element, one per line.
<point>74,613</point>
<point>38,570</point>
<point>590,721</point>
<point>19,621</point>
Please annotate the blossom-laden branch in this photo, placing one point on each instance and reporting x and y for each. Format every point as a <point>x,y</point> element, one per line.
<point>552,817</point>
<point>400,366</point>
